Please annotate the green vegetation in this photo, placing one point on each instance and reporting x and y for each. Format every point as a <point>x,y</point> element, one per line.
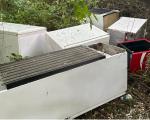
<point>53,14</point>
<point>14,57</point>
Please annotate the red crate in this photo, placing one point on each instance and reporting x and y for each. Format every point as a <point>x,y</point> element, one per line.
<point>138,51</point>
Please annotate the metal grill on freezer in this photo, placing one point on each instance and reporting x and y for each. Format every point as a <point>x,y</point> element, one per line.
<point>48,64</point>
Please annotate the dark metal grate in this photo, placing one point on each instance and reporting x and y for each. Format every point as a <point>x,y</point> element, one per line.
<point>100,10</point>
<point>47,64</point>
<point>136,46</point>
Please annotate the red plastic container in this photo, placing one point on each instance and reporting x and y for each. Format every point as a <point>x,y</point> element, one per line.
<point>138,51</point>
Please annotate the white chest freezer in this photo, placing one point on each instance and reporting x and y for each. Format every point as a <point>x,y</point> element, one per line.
<point>62,84</point>
<point>127,28</point>
<point>104,17</point>
<point>25,40</point>
<point>74,36</point>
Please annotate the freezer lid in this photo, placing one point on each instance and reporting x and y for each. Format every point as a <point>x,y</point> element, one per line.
<point>77,34</point>
<point>128,24</point>
<point>16,29</point>
<point>45,65</point>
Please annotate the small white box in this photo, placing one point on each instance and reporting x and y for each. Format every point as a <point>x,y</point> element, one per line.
<point>127,28</point>
<point>103,18</point>
<point>25,40</point>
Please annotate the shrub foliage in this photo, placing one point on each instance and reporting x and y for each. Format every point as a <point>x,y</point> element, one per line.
<point>53,14</point>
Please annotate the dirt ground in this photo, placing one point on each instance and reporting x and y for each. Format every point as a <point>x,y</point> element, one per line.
<point>139,106</point>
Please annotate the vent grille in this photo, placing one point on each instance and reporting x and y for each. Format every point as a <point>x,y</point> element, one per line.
<point>50,63</point>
